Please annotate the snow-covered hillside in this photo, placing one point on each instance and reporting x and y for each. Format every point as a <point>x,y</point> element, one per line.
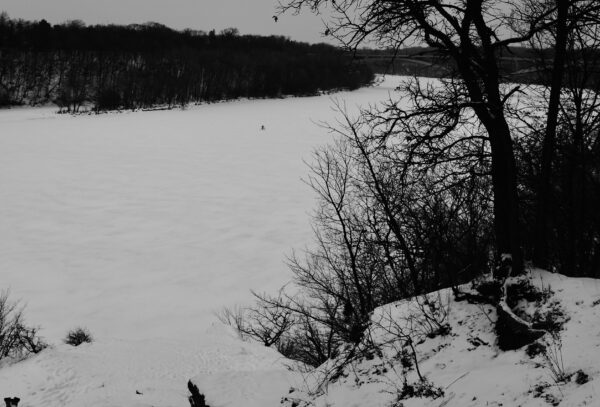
<point>466,363</point>
<point>139,226</point>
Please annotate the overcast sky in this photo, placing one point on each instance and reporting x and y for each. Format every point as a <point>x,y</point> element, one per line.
<point>249,16</point>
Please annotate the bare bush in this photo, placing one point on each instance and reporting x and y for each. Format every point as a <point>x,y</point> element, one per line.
<point>269,321</point>
<point>385,230</point>
<point>395,333</point>
<point>399,336</point>
<point>420,389</point>
<point>430,312</point>
<point>305,331</point>
<point>233,317</point>
<point>397,330</point>
<point>17,340</point>
<point>553,357</point>
<point>266,321</point>
<point>78,336</point>
<point>311,342</point>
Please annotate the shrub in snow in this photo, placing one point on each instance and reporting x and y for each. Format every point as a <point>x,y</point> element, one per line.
<point>421,389</point>
<point>287,326</point>
<point>265,322</point>
<point>16,338</point>
<point>553,358</point>
<point>581,377</point>
<point>309,342</point>
<point>77,336</point>
<point>406,359</point>
<point>550,316</point>
<point>542,390</point>
<point>431,314</point>
<point>534,349</point>
<point>361,259</point>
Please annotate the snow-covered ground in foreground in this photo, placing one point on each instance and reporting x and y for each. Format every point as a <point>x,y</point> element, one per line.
<point>467,363</point>
<point>139,226</point>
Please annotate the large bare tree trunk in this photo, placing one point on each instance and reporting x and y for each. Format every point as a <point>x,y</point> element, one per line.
<point>506,205</point>
<point>544,194</point>
<point>490,111</point>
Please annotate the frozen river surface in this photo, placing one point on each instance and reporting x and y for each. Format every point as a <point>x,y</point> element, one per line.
<point>140,225</point>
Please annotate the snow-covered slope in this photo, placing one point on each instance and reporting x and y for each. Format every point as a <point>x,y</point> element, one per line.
<point>467,364</point>
<point>151,372</point>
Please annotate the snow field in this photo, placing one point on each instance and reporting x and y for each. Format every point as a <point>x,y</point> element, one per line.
<point>139,226</point>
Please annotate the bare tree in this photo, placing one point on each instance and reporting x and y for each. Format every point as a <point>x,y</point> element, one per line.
<point>471,34</point>
<point>558,67</point>
<point>560,182</point>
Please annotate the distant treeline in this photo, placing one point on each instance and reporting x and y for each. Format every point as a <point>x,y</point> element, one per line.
<point>517,64</point>
<point>144,65</point>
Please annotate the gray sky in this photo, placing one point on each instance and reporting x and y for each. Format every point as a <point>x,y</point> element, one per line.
<point>249,16</point>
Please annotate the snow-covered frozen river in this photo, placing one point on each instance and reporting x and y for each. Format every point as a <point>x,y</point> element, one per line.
<point>130,222</point>
<point>140,225</point>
